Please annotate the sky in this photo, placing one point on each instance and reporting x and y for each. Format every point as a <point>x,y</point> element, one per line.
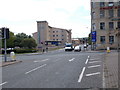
<point>21,15</point>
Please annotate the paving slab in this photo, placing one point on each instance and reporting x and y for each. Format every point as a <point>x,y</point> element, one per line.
<point>111,70</point>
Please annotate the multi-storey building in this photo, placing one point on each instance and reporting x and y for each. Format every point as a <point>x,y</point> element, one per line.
<point>50,35</point>
<point>105,23</point>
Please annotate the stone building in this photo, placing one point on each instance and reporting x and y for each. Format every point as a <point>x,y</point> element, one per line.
<point>51,36</point>
<point>105,24</point>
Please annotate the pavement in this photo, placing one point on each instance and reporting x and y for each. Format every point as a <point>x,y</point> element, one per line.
<point>111,70</point>
<point>2,64</point>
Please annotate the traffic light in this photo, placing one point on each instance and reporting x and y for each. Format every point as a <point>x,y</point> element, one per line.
<point>3,29</point>
<point>5,33</point>
<point>0,33</point>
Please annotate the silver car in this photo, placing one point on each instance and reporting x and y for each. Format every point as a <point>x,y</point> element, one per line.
<point>77,48</point>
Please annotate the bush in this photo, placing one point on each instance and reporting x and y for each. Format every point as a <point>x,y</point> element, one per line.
<point>21,51</point>
<point>25,50</point>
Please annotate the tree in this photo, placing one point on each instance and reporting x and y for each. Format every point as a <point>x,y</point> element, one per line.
<point>29,43</point>
<point>89,39</point>
<point>10,41</point>
<point>19,38</point>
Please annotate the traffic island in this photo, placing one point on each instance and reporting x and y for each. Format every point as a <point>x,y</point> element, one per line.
<point>9,63</point>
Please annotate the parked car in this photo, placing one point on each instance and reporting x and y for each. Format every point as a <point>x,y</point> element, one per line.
<point>77,48</point>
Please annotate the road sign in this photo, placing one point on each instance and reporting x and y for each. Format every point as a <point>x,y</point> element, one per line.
<point>93,36</point>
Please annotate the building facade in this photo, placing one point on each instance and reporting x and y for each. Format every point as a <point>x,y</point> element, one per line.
<point>51,36</point>
<point>105,24</point>
<point>80,41</point>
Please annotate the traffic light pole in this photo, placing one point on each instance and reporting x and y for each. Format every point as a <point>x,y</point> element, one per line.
<point>5,47</point>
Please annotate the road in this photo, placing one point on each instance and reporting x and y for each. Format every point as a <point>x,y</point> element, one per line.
<point>55,69</point>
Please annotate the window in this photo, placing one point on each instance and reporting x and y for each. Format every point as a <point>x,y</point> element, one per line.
<point>93,15</point>
<point>56,31</point>
<point>93,4</point>
<point>102,39</point>
<point>56,35</point>
<point>62,39</point>
<point>111,39</point>
<point>102,26</point>
<point>53,35</point>
<point>111,13</point>
<point>119,12</point>
<point>93,26</point>
<point>111,25</point>
<point>110,4</point>
<point>119,25</point>
<point>62,35</point>
<point>102,4</point>
<point>53,31</point>
<point>102,13</point>
<point>119,3</point>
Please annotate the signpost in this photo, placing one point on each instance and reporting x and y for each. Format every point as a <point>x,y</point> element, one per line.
<point>93,36</point>
<point>94,39</point>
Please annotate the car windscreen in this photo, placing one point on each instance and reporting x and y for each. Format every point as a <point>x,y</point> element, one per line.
<point>68,45</point>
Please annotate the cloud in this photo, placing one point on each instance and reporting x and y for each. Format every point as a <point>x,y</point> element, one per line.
<point>21,15</point>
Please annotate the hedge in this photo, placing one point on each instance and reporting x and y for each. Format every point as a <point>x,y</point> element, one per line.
<point>21,51</point>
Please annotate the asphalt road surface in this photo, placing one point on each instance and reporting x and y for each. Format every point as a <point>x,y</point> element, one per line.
<point>55,69</point>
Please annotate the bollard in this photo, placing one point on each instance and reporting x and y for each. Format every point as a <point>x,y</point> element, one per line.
<point>108,49</point>
<point>12,55</point>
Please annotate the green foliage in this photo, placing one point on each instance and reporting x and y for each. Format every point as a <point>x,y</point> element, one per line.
<point>24,41</point>
<point>28,43</point>
<point>0,43</point>
<point>10,41</point>
<point>21,50</point>
<point>89,39</point>
<point>19,38</point>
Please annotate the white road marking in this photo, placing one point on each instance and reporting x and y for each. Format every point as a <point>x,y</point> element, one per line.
<point>81,75</point>
<point>86,61</point>
<point>71,59</point>
<point>3,83</point>
<point>92,74</point>
<point>36,68</point>
<point>41,60</point>
<point>94,66</point>
<point>94,61</point>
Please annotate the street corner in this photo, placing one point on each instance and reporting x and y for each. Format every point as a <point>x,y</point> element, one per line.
<point>3,64</point>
